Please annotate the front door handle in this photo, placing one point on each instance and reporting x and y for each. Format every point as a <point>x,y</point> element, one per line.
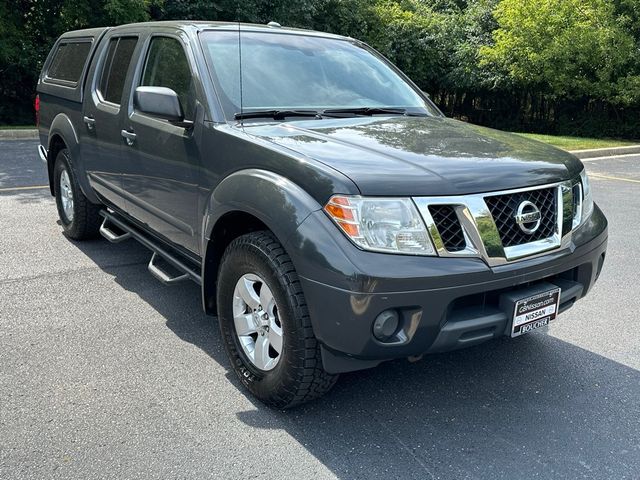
<point>129,137</point>
<point>90,121</point>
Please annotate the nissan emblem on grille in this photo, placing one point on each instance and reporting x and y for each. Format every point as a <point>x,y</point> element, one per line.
<point>528,217</point>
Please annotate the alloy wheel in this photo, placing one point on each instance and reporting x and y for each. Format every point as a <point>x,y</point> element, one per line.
<point>257,325</point>
<point>66,195</point>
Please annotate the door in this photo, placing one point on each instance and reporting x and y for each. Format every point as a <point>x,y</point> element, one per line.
<point>162,158</point>
<point>101,141</point>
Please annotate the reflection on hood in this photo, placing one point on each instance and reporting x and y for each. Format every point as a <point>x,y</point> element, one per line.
<point>422,155</point>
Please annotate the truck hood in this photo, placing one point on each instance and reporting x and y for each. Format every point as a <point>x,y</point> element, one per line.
<point>413,156</point>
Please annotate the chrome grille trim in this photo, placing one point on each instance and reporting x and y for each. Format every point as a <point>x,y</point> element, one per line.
<point>481,234</point>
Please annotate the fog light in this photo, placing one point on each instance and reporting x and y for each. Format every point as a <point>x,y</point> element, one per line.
<point>385,325</point>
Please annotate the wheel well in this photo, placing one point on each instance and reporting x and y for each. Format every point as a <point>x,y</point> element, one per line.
<point>55,145</point>
<point>229,227</point>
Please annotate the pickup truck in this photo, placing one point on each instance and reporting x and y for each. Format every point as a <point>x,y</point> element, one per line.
<point>332,215</point>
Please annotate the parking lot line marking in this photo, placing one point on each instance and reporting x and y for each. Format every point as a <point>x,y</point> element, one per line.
<point>607,177</point>
<point>15,189</point>
<point>610,157</point>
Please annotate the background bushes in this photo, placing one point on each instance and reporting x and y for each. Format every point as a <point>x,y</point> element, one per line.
<point>550,66</point>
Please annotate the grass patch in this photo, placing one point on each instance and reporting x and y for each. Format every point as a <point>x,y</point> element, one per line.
<point>578,143</point>
<point>17,127</point>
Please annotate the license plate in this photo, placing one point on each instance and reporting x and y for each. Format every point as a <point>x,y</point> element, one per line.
<point>535,312</point>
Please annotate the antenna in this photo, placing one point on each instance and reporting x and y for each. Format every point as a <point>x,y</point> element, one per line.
<point>240,71</point>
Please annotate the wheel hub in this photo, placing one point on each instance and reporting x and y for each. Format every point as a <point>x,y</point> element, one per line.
<point>256,321</point>
<point>261,321</point>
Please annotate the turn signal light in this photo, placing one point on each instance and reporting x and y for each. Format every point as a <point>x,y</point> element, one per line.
<point>341,211</point>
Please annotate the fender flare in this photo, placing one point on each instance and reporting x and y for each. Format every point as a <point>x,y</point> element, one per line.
<point>62,127</point>
<point>273,199</point>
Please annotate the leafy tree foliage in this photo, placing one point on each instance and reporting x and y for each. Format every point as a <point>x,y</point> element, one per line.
<point>565,66</point>
<point>571,48</point>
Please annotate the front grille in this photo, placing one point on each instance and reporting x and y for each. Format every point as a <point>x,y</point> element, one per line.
<point>449,228</point>
<point>503,208</point>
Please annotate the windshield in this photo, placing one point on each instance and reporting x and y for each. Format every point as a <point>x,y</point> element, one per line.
<point>298,72</point>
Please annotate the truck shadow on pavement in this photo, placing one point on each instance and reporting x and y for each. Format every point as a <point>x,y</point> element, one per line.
<point>535,406</point>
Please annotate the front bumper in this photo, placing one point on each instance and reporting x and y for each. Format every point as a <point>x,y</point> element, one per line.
<point>444,303</point>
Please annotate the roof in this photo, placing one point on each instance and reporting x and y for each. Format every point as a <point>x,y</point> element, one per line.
<point>87,32</point>
<point>201,25</point>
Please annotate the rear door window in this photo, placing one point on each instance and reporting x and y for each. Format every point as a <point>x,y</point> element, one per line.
<point>115,67</point>
<point>167,66</point>
<point>69,60</point>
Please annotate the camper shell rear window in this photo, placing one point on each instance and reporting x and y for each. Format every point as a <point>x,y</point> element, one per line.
<point>68,61</point>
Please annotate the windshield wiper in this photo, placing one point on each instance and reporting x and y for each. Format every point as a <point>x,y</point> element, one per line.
<point>329,112</point>
<point>277,114</point>
<point>371,111</point>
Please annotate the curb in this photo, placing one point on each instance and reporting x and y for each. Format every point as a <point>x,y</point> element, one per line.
<point>19,134</point>
<point>606,152</point>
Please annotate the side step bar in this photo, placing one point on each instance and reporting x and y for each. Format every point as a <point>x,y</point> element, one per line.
<point>110,235</point>
<point>163,276</point>
<point>187,272</point>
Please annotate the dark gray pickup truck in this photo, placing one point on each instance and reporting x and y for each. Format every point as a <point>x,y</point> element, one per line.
<point>333,217</point>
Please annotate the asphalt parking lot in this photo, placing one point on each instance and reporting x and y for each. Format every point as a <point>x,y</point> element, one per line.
<point>106,373</point>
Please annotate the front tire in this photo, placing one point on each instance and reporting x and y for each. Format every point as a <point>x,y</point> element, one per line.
<point>79,217</point>
<point>272,348</point>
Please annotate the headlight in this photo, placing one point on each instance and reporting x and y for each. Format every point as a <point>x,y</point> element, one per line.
<point>391,225</point>
<point>587,199</point>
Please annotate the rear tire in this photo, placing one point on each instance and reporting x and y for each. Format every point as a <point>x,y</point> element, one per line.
<point>79,217</point>
<point>294,375</point>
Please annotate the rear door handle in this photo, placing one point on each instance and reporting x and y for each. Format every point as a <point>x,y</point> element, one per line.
<point>129,137</point>
<point>90,121</point>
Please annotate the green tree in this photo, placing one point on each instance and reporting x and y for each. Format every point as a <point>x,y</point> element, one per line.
<point>541,64</point>
<point>345,17</point>
<point>414,37</point>
<point>286,12</point>
<point>473,30</point>
<point>570,48</point>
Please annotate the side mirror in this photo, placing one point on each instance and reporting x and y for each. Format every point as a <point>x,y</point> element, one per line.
<point>160,102</point>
